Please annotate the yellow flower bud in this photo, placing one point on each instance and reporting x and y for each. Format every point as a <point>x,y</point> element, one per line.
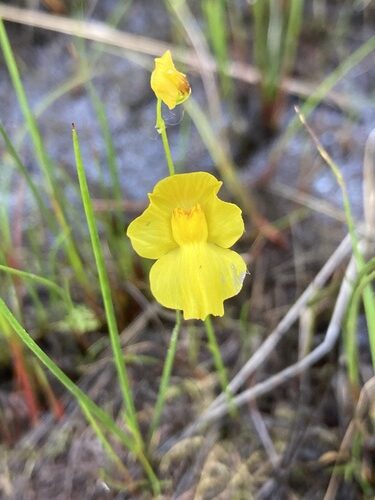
<point>169,85</point>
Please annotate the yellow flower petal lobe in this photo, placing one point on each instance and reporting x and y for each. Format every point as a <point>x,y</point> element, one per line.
<point>151,233</point>
<point>185,190</point>
<point>197,278</point>
<point>224,221</point>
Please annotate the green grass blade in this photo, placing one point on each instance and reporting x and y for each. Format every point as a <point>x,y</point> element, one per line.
<point>321,92</point>
<point>34,278</point>
<point>368,292</point>
<point>24,172</point>
<point>275,54</point>
<point>292,34</point>
<point>350,336</point>
<point>81,397</point>
<point>106,294</point>
<point>260,15</point>
<point>41,154</point>
<point>109,146</point>
<point>84,401</point>
<point>216,19</point>
<point>6,236</point>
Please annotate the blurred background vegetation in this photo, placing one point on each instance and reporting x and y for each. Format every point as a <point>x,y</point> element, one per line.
<point>249,64</point>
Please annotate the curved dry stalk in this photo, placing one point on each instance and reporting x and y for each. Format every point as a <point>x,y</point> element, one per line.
<point>263,434</point>
<point>319,205</point>
<point>292,315</point>
<point>95,31</point>
<point>314,356</point>
<point>219,410</point>
<point>218,407</point>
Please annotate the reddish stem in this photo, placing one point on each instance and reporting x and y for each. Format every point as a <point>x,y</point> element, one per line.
<point>23,380</point>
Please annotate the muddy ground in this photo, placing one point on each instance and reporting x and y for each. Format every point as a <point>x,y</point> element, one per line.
<point>307,417</point>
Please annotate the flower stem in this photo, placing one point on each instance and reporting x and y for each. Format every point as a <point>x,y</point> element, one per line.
<point>160,127</point>
<point>218,360</point>
<point>167,369</point>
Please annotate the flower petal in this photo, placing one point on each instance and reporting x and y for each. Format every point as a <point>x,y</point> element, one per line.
<point>184,190</point>
<point>197,278</point>
<point>165,62</point>
<point>224,222</point>
<point>165,89</point>
<point>151,233</point>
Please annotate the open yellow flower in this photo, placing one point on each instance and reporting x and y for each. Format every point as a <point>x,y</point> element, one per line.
<point>169,85</point>
<point>189,230</point>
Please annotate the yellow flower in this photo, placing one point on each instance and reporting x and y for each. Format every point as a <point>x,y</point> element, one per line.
<point>169,85</point>
<point>189,230</point>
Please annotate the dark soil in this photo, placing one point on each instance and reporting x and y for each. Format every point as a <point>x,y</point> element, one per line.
<point>306,418</point>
